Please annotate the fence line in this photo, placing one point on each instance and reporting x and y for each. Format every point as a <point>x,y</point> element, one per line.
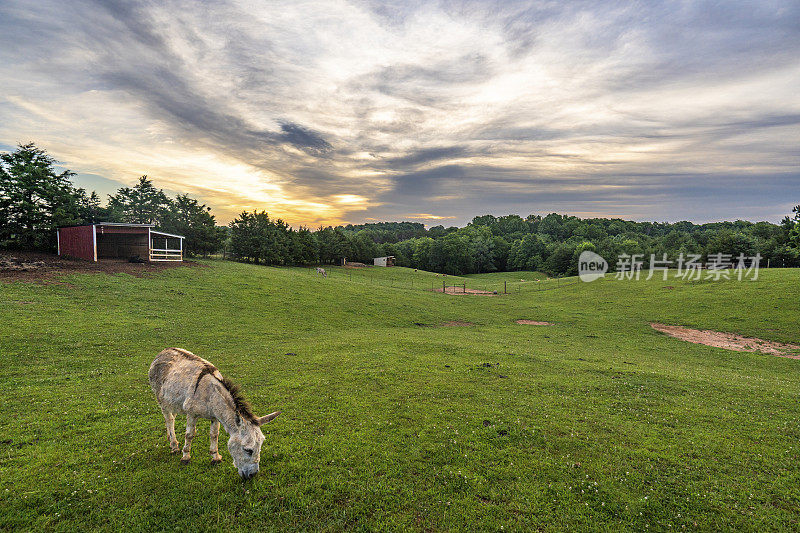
<point>427,283</point>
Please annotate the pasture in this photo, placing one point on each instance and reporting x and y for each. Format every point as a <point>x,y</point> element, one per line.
<point>392,421</point>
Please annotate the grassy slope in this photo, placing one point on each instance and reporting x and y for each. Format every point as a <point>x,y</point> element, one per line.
<point>596,422</point>
<point>408,278</point>
<point>519,276</point>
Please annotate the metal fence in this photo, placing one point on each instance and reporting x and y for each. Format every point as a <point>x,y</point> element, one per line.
<point>442,284</point>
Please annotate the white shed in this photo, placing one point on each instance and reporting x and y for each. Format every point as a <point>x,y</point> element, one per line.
<point>387,261</point>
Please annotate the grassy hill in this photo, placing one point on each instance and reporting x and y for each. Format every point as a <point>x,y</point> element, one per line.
<point>394,422</point>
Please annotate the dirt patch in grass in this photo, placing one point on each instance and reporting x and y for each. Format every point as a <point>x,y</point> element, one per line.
<point>533,322</point>
<point>729,341</point>
<point>44,268</point>
<point>462,291</point>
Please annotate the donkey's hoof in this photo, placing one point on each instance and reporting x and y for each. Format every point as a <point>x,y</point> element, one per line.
<point>216,461</point>
<point>185,461</point>
<point>176,450</point>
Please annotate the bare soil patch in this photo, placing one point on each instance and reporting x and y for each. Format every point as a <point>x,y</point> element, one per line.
<point>44,268</point>
<point>461,291</point>
<point>534,323</point>
<point>729,341</point>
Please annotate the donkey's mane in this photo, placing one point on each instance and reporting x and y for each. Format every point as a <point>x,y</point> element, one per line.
<point>242,406</point>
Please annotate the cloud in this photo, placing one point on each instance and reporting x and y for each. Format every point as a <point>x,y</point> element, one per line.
<point>426,155</point>
<point>427,216</point>
<point>427,182</point>
<point>331,111</point>
<point>304,138</point>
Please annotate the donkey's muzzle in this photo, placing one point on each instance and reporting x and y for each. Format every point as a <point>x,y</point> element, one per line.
<point>248,474</point>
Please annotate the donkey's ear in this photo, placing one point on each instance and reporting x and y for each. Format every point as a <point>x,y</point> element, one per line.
<point>268,418</point>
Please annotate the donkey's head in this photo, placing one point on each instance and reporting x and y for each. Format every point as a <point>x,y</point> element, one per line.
<point>245,444</point>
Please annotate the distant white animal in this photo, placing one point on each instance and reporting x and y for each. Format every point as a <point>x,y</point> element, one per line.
<point>188,384</point>
<point>322,271</point>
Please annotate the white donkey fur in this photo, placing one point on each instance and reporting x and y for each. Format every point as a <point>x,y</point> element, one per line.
<point>188,384</point>
<point>322,271</point>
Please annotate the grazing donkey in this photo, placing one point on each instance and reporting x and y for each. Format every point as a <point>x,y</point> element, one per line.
<point>186,383</point>
<point>322,271</point>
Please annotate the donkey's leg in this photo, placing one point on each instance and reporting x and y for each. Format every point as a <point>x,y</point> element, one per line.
<point>215,456</point>
<point>169,420</point>
<point>191,426</point>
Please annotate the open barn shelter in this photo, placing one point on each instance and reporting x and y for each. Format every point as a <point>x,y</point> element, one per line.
<point>111,240</point>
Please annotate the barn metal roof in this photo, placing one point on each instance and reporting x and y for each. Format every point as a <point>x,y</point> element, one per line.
<point>111,224</point>
<point>122,224</point>
<point>128,225</point>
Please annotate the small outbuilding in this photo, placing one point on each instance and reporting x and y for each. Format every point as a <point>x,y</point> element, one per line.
<point>387,261</point>
<point>112,240</point>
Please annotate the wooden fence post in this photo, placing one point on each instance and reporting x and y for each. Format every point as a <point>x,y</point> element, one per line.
<point>505,287</point>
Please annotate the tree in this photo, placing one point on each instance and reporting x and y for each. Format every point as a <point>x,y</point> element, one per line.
<point>328,244</point>
<point>254,236</point>
<point>364,248</point>
<point>305,248</point>
<point>140,204</point>
<point>187,217</point>
<point>89,208</point>
<point>792,227</point>
<point>34,199</point>
<point>560,260</point>
<point>480,248</point>
<point>526,253</point>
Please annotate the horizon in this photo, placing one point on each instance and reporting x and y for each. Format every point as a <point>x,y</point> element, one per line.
<point>336,113</point>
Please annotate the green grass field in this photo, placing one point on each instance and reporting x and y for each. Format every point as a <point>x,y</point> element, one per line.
<point>595,423</point>
<point>411,279</point>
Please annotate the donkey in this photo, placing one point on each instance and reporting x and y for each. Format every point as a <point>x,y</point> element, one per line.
<point>186,383</point>
<point>322,271</point>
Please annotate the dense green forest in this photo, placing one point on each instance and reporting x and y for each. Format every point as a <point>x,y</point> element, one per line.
<point>35,199</point>
<point>552,243</point>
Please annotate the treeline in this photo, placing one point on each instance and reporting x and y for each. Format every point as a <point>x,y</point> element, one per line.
<point>551,243</point>
<point>258,238</point>
<point>35,199</point>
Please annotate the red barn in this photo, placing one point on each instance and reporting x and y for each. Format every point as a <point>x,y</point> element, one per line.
<point>111,240</point>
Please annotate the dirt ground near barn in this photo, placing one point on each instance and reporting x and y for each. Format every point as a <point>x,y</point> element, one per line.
<point>44,268</point>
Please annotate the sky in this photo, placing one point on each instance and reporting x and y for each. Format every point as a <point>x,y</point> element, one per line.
<point>328,112</point>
